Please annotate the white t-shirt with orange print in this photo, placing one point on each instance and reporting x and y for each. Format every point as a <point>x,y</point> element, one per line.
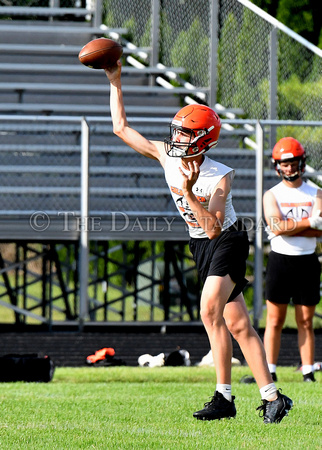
<point>297,204</point>
<point>211,172</point>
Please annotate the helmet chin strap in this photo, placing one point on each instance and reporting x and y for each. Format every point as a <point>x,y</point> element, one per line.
<point>293,177</point>
<point>193,156</point>
<point>177,152</point>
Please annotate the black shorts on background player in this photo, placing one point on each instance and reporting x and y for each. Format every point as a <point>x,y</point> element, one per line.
<point>295,278</point>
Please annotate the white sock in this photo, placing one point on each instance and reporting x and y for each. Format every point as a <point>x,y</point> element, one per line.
<point>272,368</point>
<point>225,390</point>
<point>307,368</point>
<point>268,392</point>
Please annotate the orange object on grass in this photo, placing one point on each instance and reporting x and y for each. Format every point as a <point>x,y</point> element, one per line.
<point>100,355</point>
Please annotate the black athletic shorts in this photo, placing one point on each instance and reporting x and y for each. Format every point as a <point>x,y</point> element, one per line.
<point>293,277</point>
<point>225,255</point>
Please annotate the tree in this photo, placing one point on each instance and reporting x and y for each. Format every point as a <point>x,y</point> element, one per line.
<point>302,16</point>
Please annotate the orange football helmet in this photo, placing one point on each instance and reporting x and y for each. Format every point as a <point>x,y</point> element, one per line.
<point>202,126</point>
<point>288,149</point>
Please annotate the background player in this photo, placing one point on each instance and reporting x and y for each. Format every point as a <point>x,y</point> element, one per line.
<point>292,212</point>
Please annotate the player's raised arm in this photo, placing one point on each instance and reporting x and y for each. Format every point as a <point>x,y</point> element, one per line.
<point>151,149</point>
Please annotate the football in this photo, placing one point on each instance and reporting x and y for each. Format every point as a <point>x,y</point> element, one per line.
<point>100,53</point>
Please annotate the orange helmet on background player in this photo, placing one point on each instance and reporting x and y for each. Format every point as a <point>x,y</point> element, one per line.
<point>201,124</point>
<point>285,150</point>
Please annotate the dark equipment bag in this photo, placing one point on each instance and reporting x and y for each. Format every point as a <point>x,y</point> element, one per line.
<point>26,367</point>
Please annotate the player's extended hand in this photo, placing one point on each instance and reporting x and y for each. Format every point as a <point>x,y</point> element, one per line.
<point>190,179</point>
<point>114,73</point>
<point>316,221</point>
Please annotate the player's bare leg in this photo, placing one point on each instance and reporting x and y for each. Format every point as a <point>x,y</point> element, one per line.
<point>238,322</point>
<point>276,314</point>
<point>274,405</point>
<point>306,339</point>
<point>214,296</point>
<point>215,313</point>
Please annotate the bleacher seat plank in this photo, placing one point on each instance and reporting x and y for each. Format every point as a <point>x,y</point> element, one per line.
<point>79,68</point>
<point>57,49</point>
<point>57,29</point>
<point>43,11</point>
<point>93,88</point>
<point>83,108</point>
<point>95,109</point>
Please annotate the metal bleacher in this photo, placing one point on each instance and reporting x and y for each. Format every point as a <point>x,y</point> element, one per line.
<point>40,72</point>
<point>46,97</point>
<point>40,77</point>
<point>41,168</point>
<point>48,103</point>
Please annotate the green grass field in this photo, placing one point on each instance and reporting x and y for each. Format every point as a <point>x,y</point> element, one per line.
<point>143,408</point>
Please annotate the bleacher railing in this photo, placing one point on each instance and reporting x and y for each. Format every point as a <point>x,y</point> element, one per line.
<point>69,177</point>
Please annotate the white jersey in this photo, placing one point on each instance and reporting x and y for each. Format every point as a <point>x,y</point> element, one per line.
<point>211,172</point>
<point>295,203</point>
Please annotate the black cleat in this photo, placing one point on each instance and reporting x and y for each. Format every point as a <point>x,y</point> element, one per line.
<point>217,408</point>
<point>273,412</point>
<point>309,377</point>
<point>274,377</point>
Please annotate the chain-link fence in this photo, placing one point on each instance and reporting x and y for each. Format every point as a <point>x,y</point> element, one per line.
<point>249,62</point>
<point>261,69</point>
<point>260,72</point>
<point>40,166</point>
<point>42,191</point>
<point>41,159</point>
<point>269,74</point>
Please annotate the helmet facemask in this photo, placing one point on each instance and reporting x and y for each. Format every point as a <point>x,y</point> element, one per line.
<point>293,176</point>
<point>191,147</point>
